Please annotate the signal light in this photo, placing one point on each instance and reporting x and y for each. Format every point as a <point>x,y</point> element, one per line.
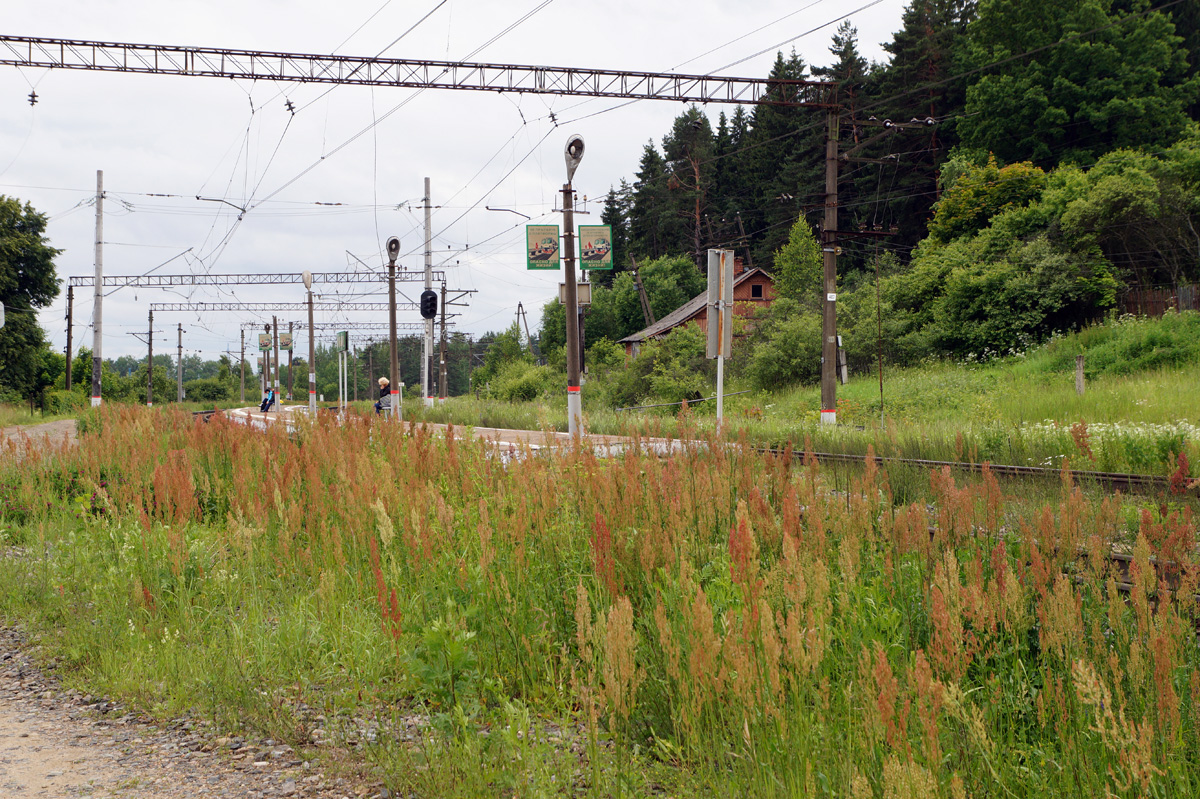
<point>429,300</point>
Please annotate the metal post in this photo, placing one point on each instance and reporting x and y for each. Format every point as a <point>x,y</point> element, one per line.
<point>150,363</point>
<point>442,369</point>
<point>98,294</point>
<point>428,350</point>
<point>70,304</point>
<point>312,360</point>
<point>574,402</point>
<point>394,361</point>
<point>242,366</point>
<point>179,367</point>
<point>291,346</point>
<point>829,252</point>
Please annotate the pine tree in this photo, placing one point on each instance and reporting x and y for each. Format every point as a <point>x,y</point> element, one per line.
<point>651,219</point>
<point>784,164</point>
<point>689,150</point>
<point>616,214</point>
<point>918,83</point>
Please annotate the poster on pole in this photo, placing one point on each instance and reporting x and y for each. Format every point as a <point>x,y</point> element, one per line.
<point>264,342</point>
<point>541,247</point>
<point>343,341</point>
<point>285,342</point>
<point>595,247</point>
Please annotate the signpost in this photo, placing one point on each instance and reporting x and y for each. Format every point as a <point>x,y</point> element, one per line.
<point>595,247</point>
<point>541,247</point>
<point>720,317</point>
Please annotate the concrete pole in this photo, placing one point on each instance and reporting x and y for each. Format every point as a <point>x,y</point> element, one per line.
<point>829,283</point>
<point>574,402</point>
<point>98,294</point>
<point>70,304</point>
<point>275,333</point>
<point>394,359</point>
<point>242,366</point>
<point>150,363</point>
<point>427,359</point>
<point>179,367</point>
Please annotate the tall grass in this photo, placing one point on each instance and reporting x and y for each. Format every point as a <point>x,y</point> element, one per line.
<point>716,623</point>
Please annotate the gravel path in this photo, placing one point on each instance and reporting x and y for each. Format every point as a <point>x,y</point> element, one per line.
<point>38,434</point>
<point>56,743</point>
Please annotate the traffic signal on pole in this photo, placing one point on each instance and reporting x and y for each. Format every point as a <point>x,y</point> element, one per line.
<point>429,300</point>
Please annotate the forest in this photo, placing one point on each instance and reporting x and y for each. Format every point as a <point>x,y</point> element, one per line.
<point>1019,169</point>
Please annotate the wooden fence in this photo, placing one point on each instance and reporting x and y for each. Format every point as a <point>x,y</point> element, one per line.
<point>1156,302</point>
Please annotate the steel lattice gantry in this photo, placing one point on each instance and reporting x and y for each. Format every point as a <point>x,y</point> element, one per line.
<point>338,326</point>
<point>278,307</point>
<point>46,53</point>
<point>278,278</point>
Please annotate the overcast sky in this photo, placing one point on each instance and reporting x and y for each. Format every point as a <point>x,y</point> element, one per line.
<point>316,195</point>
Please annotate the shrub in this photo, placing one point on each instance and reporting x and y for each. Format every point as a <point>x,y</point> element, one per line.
<point>64,401</point>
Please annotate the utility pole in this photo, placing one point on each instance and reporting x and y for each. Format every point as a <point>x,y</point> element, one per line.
<point>98,294</point>
<point>427,360</point>
<point>572,153</point>
<point>442,370</point>
<point>291,345</point>
<point>829,257</point>
<point>275,332</point>
<point>312,351</point>
<point>242,365</point>
<point>179,367</point>
<point>393,250</point>
<point>647,312</point>
<point>70,302</point>
<point>150,363</point>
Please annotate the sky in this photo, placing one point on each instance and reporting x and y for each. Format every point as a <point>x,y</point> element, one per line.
<point>328,183</point>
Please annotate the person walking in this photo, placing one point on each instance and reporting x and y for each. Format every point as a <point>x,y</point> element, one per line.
<point>385,396</point>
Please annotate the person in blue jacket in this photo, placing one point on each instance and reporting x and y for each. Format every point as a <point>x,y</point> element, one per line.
<point>268,401</point>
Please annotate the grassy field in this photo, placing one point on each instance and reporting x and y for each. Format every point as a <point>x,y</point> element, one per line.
<point>721,623</point>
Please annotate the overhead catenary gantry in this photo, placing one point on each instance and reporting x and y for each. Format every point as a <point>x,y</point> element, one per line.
<point>279,307</point>
<point>212,62</point>
<point>53,53</point>
<point>153,281</point>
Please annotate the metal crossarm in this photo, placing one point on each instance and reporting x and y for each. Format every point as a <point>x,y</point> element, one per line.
<point>278,278</point>
<point>44,53</point>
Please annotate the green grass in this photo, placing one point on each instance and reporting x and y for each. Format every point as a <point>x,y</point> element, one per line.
<point>716,624</point>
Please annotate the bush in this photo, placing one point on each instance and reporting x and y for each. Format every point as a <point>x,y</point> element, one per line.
<point>208,389</point>
<point>1129,344</point>
<point>789,350</point>
<point>64,401</point>
<point>521,381</point>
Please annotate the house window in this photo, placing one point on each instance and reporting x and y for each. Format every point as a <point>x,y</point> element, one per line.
<point>756,291</point>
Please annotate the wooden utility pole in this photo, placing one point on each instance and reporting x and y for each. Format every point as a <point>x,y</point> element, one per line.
<point>242,366</point>
<point>647,312</point>
<point>829,282</point>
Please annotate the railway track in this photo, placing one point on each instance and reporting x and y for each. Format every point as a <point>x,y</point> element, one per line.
<point>1112,481</point>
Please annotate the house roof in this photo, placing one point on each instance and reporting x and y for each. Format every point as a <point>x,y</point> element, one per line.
<point>684,312</point>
